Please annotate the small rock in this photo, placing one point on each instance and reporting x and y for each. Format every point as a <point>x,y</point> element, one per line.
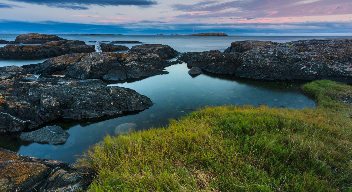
<point>195,71</point>
<point>50,134</point>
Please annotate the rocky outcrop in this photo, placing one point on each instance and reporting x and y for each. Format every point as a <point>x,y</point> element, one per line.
<point>27,102</point>
<point>54,135</point>
<point>107,66</point>
<point>163,51</point>
<point>194,71</point>
<point>3,41</point>
<point>298,60</point>
<point>23,173</point>
<point>36,38</point>
<point>46,50</point>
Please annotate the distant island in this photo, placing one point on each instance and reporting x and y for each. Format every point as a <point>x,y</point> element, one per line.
<point>210,34</point>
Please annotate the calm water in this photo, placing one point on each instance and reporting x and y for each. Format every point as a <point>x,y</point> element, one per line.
<point>173,95</point>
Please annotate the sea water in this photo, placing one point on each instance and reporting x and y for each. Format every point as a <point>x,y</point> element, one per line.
<point>174,95</point>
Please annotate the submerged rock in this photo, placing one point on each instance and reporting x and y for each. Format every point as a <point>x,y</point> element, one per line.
<point>125,128</point>
<point>54,135</point>
<point>27,102</point>
<point>23,173</point>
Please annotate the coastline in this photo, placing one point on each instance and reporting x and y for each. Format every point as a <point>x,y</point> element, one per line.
<point>233,55</point>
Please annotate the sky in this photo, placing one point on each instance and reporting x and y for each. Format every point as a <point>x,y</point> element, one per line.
<point>234,17</point>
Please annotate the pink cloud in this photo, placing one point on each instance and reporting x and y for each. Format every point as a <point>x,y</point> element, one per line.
<point>267,9</point>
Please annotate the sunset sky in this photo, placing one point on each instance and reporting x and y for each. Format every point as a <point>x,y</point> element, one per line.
<point>239,17</point>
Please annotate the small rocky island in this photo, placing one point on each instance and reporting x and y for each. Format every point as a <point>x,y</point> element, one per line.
<point>210,34</point>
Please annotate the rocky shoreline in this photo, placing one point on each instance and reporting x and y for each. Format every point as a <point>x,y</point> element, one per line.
<point>265,60</point>
<point>71,86</point>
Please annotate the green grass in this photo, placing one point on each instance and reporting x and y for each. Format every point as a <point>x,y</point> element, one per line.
<point>233,148</point>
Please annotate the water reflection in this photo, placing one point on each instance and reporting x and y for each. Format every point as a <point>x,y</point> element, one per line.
<point>174,95</point>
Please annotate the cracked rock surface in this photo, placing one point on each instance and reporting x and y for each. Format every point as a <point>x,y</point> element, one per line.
<point>27,102</point>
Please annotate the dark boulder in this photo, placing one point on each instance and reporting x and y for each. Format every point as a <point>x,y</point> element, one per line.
<point>194,71</point>
<point>54,135</point>
<point>23,173</point>
<point>27,102</point>
<point>36,38</point>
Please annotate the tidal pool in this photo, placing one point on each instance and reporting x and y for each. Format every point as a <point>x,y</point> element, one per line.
<point>174,95</point>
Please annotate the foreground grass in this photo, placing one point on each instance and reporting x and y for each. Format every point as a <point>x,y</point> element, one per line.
<point>232,148</point>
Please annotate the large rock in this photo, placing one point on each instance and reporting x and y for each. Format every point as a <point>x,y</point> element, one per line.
<point>23,173</point>
<point>105,66</point>
<point>27,102</point>
<point>35,38</point>
<point>54,135</point>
